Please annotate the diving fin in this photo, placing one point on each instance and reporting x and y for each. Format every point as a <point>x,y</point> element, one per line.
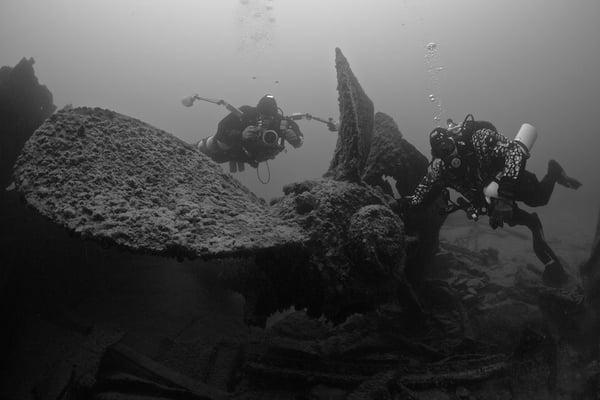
<point>561,177</point>
<point>568,182</point>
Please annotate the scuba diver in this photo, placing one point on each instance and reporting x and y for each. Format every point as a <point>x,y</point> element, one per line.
<point>251,135</point>
<point>489,171</point>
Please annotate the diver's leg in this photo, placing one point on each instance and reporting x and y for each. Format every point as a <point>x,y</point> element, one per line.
<point>556,172</point>
<point>533,192</point>
<point>532,221</point>
<point>554,273</point>
<point>545,187</point>
<point>537,193</point>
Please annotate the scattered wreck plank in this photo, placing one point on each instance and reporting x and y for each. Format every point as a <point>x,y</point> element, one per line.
<point>121,364</point>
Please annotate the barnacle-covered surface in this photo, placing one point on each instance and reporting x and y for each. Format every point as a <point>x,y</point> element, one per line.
<point>356,125</point>
<point>354,240</point>
<point>116,179</point>
<point>391,155</point>
<point>493,331</point>
<point>354,254</point>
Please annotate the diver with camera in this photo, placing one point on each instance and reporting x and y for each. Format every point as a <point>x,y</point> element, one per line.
<point>251,135</point>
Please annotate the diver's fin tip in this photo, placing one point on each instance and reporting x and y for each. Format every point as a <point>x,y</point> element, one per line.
<point>570,183</point>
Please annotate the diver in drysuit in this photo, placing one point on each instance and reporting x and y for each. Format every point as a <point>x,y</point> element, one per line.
<point>489,171</point>
<point>251,135</point>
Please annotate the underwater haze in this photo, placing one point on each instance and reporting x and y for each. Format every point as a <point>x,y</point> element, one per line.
<point>420,61</point>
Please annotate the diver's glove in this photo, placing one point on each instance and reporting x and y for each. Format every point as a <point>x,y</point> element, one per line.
<point>502,212</point>
<point>250,133</point>
<point>401,205</point>
<point>292,137</point>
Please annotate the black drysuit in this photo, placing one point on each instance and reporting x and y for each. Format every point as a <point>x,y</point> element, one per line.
<point>229,132</point>
<point>488,156</point>
<point>483,157</point>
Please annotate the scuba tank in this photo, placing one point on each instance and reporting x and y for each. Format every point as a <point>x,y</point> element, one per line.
<point>526,137</point>
<point>213,148</point>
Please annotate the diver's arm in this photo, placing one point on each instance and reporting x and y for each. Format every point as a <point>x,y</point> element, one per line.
<point>292,133</point>
<point>229,131</point>
<point>488,143</point>
<point>514,159</point>
<point>429,181</point>
<point>514,162</point>
<point>331,125</point>
<point>467,192</point>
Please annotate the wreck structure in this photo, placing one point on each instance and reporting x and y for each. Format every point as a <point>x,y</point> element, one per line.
<point>24,105</point>
<point>333,245</point>
<point>118,180</point>
<point>350,276</point>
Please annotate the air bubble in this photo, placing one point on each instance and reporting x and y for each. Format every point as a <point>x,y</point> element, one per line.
<point>434,70</point>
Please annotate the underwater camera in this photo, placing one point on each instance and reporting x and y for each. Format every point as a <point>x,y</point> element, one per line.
<point>269,137</point>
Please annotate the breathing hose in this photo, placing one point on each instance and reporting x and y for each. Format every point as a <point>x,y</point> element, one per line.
<point>264,182</point>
